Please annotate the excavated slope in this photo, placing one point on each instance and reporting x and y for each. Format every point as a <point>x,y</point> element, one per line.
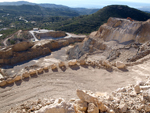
<point>124,30</point>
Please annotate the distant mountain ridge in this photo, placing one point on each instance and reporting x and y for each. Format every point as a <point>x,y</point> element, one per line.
<point>35,10</point>
<point>17,3</point>
<point>81,11</point>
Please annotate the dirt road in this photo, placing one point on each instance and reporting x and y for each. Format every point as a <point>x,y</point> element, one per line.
<point>64,84</point>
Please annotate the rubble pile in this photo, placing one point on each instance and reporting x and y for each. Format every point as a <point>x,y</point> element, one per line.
<point>129,99</point>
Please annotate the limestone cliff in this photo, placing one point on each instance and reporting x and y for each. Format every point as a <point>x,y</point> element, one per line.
<point>124,30</point>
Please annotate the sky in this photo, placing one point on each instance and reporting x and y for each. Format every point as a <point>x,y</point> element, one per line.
<point>90,3</point>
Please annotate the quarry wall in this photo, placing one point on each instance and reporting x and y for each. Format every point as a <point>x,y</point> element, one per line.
<point>124,30</point>
<point>28,50</point>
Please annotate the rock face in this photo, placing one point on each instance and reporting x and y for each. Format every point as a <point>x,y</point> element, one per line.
<point>22,46</point>
<point>124,30</point>
<point>28,50</point>
<point>54,34</point>
<point>89,45</point>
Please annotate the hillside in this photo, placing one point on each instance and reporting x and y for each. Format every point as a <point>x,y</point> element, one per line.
<point>81,11</point>
<point>27,10</point>
<point>85,11</point>
<point>87,24</point>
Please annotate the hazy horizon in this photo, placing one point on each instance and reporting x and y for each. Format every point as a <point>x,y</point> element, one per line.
<point>90,4</point>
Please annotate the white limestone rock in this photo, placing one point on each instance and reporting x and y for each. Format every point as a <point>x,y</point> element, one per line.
<point>137,89</point>
<point>92,108</point>
<point>59,106</point>
<point>80,105</point>
<point>120,65</point>
<point>25,75</point>
<point>90,97</point>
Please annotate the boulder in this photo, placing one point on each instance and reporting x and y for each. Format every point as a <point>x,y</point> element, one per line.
<point>72,63</point>
<point>40,70</point>
<point>17,78</point>
<point>80,106</point>
<point>10,80</point>
<point>92,108</point>
<point>120,65</point>
<point>22,46</point>
<point>32,72</point>
<point>2,83</point>
<point>82,62</point>
<point>90,97</point>
<point>45,68</point>
<point>62,65</point>
<point>25,75</point>
<point>59,106</point>
<point>137,89</point>
<point>106,64</point>
<point>54,67</point>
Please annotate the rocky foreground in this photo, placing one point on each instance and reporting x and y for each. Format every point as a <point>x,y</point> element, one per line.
<point>129,99</point>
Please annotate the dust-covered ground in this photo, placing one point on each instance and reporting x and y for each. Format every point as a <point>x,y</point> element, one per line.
<point>64,83</point>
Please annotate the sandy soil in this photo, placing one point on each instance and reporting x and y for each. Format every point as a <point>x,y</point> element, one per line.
<point>64,84</point>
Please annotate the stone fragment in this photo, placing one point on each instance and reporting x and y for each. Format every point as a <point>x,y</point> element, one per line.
<point>123,108</point>
<point>59,106</point>
<point>92,108</point>
<point>120,65</point>
<point>133,94</point>
<point>137,89</point>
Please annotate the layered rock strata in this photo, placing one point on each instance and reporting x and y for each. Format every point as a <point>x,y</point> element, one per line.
<point>124,30</point>
<point>28,50</point>
<point>54,34</point>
